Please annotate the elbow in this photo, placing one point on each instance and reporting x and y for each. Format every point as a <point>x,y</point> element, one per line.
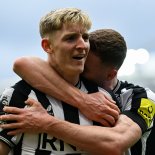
<point>18,64</point>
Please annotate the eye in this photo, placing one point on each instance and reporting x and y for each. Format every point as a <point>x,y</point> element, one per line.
<point>85,37</point>
<point>71,38</point>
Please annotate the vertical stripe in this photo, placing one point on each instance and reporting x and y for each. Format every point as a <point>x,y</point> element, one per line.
<point>71,113</point>
<point>18,99</point>
<point>57,108</point>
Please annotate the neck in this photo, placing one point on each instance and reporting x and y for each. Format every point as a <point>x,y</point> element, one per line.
<point>110,85</point>
<point>70,79</point>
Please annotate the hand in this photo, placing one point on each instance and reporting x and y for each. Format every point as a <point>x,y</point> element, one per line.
<point>100,108</point>
<point>26,119</point>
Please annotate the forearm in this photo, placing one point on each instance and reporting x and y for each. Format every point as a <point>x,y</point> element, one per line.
<point>91,139</point>
<point>103,139</point>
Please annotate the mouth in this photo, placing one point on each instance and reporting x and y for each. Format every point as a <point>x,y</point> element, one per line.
<point>79,56</point>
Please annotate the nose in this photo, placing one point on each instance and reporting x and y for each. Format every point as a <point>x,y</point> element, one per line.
<point>82,44</point>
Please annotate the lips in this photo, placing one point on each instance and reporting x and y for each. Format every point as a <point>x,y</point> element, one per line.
<point>79,56</point>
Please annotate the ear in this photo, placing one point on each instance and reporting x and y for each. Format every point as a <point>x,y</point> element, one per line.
<point>46,45</point>
<point>112,74</point>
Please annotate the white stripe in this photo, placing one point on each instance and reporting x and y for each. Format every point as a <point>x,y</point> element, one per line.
<point>33,95</point>
<point>29,144</point>
<point>57,107</point>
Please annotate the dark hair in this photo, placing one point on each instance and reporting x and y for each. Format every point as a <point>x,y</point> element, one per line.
<point>109,45</point>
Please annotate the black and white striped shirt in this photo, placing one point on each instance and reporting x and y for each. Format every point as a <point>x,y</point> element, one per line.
<point>42,144</point>
<point>138,103</point>
<point>131,97</point>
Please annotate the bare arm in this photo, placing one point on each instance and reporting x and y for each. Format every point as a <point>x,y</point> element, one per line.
<point>4,149</point>
<point>105,140</point>
<point>40,75</point>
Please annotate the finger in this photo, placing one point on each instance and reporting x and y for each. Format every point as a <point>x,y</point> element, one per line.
<point>11,125</point>
<point>31,102</point>
<point>112,112</point>
<point>109,99</point>
<point>105,123</point>
<point>13,110</point>
<point>14,132</point>
<point>9,117</point>
<point>113,106</point>
<point>109,120</point>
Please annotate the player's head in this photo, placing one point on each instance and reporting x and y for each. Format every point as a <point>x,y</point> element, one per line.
<point>107,53</point>
<point>65,38</point>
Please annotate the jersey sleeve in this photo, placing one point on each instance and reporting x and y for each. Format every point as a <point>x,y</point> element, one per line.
<point>142,107</point>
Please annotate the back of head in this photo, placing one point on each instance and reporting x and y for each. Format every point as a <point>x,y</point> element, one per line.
<point>109,45</point>
<point>54,20</point>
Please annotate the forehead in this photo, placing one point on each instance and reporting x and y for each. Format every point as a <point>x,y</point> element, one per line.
<point>76,28</point>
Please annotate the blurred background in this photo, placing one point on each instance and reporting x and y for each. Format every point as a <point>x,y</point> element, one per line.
<point>134,19</point>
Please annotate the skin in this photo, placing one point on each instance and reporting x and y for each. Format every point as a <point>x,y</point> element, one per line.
<point>68,59</point>
<point>104,75</point>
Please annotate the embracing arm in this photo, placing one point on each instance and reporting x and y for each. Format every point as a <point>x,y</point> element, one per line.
<point>105,140</point>
<point>40,75</point>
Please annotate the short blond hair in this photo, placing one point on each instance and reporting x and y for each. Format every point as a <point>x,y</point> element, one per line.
<point>54,20</point>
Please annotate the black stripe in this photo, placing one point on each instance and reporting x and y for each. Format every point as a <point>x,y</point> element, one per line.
<point>138,93</point>
<point>90,86</point>
<point>16,149</point>
<point>19,96</point>
<point>150,145</point>
<point>71,113</point>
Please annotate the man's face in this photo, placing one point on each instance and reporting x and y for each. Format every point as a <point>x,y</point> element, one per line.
<point>70,48</point>
<point>95,70</point>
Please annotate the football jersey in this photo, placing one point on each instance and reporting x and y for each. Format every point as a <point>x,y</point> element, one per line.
<point>138,103</point>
